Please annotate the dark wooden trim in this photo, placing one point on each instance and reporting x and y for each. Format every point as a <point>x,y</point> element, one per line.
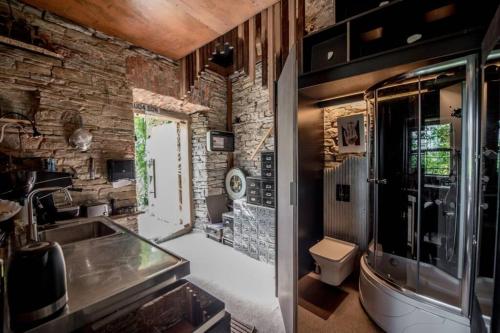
<point>241,46</point>
<point>264,47</point>
<point>492,37</point>
<point>251,48</point>
<point>229,116</point>
<point>284,30</point>
<point>246,47</point>
<point>234,45</point>
<point>301,19</point>
<point>277,40</point>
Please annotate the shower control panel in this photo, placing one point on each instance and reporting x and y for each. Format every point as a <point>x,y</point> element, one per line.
<point>377,181</point>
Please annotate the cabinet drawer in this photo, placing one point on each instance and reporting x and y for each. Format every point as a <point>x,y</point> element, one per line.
<point>268,202</point>
<point>268,194</point>
<point>228,225</point>
<point>254,199</point>
<point>267,173</point>
<point>267,165</point>
<point>267,156</point>
<point>253,191</point>
<point>268,185</point>
<point>253,183</point>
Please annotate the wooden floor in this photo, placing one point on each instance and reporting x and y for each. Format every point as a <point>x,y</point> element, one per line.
<point>349,316</point>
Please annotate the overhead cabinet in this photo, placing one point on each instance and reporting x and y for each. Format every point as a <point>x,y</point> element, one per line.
<point>395,25</point>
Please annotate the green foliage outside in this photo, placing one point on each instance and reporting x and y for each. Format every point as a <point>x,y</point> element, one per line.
<point>435,147</point>
<point>141,126</point>
<point>141,165</point>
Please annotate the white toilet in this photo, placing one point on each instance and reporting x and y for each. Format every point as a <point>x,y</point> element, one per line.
<point>336,259</point>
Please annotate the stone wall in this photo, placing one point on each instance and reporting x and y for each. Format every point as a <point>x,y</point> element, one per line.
<point>252,118</point>
<point>319,14</point>
<point>331,114</point>
<point>95,80</point>
<point>209,168</point>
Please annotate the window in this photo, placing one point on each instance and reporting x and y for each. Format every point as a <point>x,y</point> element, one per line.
<point>435,149</point>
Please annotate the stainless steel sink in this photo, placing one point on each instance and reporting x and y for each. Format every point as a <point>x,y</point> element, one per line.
<point>76,232</point>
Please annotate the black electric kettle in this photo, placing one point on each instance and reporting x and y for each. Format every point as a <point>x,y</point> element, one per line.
<point>36,284</point>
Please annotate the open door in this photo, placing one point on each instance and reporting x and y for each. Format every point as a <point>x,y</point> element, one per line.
<point>286,162</point>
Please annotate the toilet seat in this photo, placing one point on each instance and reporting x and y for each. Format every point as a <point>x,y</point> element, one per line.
<point>333,249</point>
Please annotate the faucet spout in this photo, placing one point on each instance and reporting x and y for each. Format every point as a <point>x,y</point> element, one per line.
<point>28,204</point>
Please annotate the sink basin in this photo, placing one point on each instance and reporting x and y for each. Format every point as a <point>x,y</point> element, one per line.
<point>77,232</point>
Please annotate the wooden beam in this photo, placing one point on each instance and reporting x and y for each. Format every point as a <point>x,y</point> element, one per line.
<point>301,30</point>
<point>241,46</point>
<point>198,62</point>
<point>188,76</point>
<point>284,30</point>
<point>270,56</point>
<point>251,48</point>
<point>246,47</point>
<point>229,116</point>
<point>277,39</point>
<point>264,46</point>
<point>182,77</point>
<point>234,46</point>
<point>291,24</point>
<point>258,32</point>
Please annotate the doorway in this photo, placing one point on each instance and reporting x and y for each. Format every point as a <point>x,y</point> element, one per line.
<point>163,174</point>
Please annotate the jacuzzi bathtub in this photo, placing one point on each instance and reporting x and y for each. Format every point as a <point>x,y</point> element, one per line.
<point>400,310</point>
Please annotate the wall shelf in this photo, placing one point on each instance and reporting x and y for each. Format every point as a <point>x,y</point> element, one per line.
<point>29,47</point>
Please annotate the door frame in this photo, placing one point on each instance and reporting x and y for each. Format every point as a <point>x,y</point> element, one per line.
<point>185,119</point>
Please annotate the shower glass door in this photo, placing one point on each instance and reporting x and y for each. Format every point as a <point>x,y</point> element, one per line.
<point>415,174</point>
<point>396,184</point>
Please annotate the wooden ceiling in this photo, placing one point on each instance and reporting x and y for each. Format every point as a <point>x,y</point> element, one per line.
<point>172,28</point>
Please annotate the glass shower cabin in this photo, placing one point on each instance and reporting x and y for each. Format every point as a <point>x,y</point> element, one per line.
<point>420,175</point>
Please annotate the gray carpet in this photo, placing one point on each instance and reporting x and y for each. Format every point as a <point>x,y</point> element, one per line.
<point>245,285</point>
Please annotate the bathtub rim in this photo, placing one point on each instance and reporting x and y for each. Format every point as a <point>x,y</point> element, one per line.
<point>425,303</point>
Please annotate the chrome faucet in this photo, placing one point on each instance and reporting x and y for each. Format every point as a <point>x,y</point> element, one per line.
<point>28,204</point>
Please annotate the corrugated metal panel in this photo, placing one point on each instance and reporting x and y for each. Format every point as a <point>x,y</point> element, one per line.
<point>347,220</point>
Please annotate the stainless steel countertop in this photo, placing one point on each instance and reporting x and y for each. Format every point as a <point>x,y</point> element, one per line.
<point>108,273</point>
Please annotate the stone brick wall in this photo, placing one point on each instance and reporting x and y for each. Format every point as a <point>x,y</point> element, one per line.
<point>209,168</point>
<point>95,81</point>
<point>252,118</point>
<point>319,14</point>
<point>331,114</point>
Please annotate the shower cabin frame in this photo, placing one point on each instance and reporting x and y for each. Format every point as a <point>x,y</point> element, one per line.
<point>468,188</point>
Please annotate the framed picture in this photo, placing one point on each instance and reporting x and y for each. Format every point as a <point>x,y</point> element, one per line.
<point>351,134</point>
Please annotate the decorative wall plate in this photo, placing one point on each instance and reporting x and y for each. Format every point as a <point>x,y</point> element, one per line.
<point>236,183</point>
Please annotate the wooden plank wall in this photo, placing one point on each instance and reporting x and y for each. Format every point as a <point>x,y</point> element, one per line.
<point>266,37</point>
